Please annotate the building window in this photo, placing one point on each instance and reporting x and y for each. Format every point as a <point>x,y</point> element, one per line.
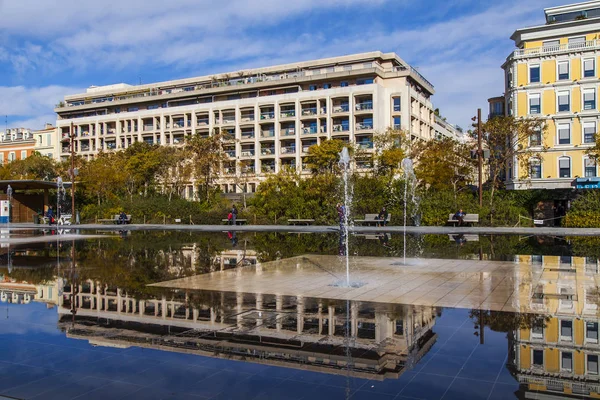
<point>538,357</point>
<point>566,330</point>
<point>49,139</point>
<point>536,137</point>
<point>366,81</point>
<point>551,45</point>
<point>1,158</point>
<point>564,101</point>
<point>347,67</point>
<point>563,70</point>
<point>312,87</point>
<point>11,156</point>
<point>589,68</point>
<point>396,122</point>
<point>396,104</point>
<point>577,42</point>
<point>591,332</point>
<point>536,169</point>
<point>534,74</point>
<point>344,84</point>
<point>132,109</point>
<point>592,364</point>
<point>23,154</point>
<point>590,167</point>
<point>564,167</point>
<point>566,361</point>
<point>537,332</point>
<point>589,99</point>
<point>327,86</point>
<point>564,134</point>
<point>330,69</point>
<point>534,104</point>
<point>589,131</point>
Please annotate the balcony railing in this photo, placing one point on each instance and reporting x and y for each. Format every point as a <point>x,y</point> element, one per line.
<point>268,168</point>
<point>288,132</point>
<point>202,122</point>
<point>249,169</point>
<point>267,151</point>
<point>247,135</point>
<point>308,130</point>
<point>247,118</point>
<point>309,111</point>
<point>287,113</point>
<point>247,153</point>
<point>365,145</point>
<point>341,128</point>
<point>228,120</point>
<point>230,153</point>
<point>267,134</point>
<point>288,150</point>
<point>368,105</point>
<point>561,48</point>
<point>363,126</point>
<point>267,115</point>
<point>341,108</point>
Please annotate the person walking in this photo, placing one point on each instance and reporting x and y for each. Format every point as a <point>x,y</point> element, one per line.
<point>50,215</point>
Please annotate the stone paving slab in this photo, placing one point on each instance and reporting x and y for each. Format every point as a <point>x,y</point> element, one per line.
<point>442,230</point>
<point>492,285</point>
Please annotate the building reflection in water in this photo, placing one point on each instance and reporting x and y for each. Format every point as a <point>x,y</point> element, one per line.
<point>559,356</point>
<point>275,330</point>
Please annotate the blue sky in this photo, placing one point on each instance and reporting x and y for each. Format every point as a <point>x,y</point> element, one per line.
<point>52,48</point>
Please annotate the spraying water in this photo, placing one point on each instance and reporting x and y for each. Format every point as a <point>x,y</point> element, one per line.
<point>409,189</point>
<point>345,164</point>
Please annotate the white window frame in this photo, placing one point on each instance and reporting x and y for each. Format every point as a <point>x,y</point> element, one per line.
<point>539,162</point>
<point>593,60</point>
<point>541,138</point>
<point>587,124</point>
<point>560,336</point>
<point>537,336</point>
<point>543,358</point>
<point>585,159</point>
<point>529,72</point>
<point>585,337</point>
<point>587,371</point>
<point>1,158</point>
<point>583,93</point>
<point>529,98</point>
<point>23,154</point>
<point>558,64</point>
<point>12,156</point>
<point>558,128</point>
<point>570,167</point>
<point>560,94</point>
<point>561,361</point>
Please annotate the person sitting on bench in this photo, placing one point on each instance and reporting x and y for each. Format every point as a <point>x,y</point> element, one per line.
<point>122,218</point>
<point>382,217</point>
<point>459,216</point>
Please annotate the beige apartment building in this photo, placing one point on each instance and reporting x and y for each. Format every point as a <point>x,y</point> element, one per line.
<point>272,115</point>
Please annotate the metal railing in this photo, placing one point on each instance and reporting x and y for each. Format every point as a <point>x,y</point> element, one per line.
<point>368,105</point>
<point>560,48</point>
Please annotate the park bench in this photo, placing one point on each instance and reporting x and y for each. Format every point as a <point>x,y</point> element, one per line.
<point>238,221</point>
<point>467,237</point>
<point>468,219</point>
<point>64,219</point>
<point>300,221</point>
<point>114,220</point>
<point>373,219</point>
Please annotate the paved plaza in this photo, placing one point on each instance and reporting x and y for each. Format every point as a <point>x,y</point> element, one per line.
<point>493,285</point>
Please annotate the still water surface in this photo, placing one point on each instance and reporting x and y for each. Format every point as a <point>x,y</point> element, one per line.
<point>78,320</point>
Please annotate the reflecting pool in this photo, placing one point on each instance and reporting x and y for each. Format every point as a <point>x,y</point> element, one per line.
<point>179,315</point>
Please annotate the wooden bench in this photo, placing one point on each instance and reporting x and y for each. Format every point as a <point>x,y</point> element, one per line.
<point>468,219</point>
<point>373,219</point>
<point>115,220</point>
<point>238,221</point>
<point>300,221</point>
<point>467,237</point>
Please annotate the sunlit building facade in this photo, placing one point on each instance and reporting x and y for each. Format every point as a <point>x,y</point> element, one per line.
<point>270,116</point>
<point>553,75</point>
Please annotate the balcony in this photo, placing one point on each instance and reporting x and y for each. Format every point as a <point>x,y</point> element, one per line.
<point>365,145</point>
<point>558,49</point>
<point>148,128</point>
<point>267,115</point>
<point>341,108</point>
<point>230,153</point>
<point>288,150</point>
<point>364,126</point>
<point>247,118</point>
<point>323,110</point>
<point>364,106</point>
<point>309,130</point>
<point>249,169</point>
<point>341,128</point>
<point>229,170</point>
<point>202,122</point>
<point>309,111</point>
<point>288,132</point>
<point>247,152</point>
<point>268,168</point>
<point>287,113</point>
<point>267,151</point>
<point>228,120</point>
<point>247,135</point>
<point>267,134</point>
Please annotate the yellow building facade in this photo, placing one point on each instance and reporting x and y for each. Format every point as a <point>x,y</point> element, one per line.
<point>559,353</point>
<point>554,75</point>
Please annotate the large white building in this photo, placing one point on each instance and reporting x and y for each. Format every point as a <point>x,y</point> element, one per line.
<point>272,115</point>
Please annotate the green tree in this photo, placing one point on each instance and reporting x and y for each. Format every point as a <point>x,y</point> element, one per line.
<point>444,164</point>
<point>36,166</point>
<point>176,169</point>
<point>104,176</point>
<point>206,156</point>
<point>142,162</point>
<point>507,140</point>
<point>389,151</point>
<point>325,157</point>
